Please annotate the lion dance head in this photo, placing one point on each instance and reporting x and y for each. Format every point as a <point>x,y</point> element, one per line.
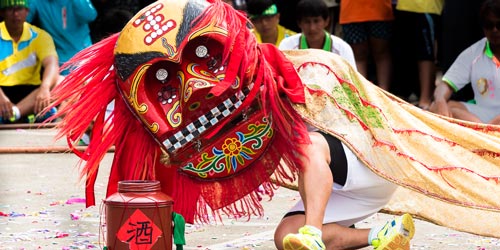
<point>198,105</point>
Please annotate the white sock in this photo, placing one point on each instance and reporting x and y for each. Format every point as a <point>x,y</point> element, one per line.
<point>17,114</point>
<point>373,233</point>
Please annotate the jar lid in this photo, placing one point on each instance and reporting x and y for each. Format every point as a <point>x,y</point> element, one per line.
<point>138,186</point>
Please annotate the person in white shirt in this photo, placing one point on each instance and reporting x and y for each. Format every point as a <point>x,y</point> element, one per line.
<point>478,65</point>
<point>313,19</point>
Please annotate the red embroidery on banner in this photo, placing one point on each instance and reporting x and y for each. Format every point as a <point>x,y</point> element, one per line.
<point>139,231</point>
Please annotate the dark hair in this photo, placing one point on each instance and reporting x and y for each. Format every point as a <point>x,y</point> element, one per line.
<point>489,7</point>
<point>311,8</point>
<point>256,7</point>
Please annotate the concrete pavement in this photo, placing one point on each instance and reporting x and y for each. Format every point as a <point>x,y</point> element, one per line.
<point>41,207</point>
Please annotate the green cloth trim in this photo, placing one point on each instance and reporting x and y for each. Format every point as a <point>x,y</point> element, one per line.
<point>179,230</point>
<point>487,50</point>
<point>271,11</point>
<point>12,3</point>
<point>327,45</point>
<point>450,83</point>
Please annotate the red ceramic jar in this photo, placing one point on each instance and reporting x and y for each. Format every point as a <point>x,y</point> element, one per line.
<point>139,217</point>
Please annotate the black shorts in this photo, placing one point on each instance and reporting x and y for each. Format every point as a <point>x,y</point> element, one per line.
<point>418,32</point>
<point>360,32</point>
<point>18,92</point>
<point>338,160</point>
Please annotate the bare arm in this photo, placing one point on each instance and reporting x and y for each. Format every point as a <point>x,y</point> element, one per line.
<point>442,94</point>
<point>49,79</point>
<point>5,106</point>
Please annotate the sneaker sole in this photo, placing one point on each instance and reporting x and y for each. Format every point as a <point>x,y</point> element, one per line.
<point>293,243</point>
<point>398,242</point>
<point>408,228</point>
<point>401,241</point>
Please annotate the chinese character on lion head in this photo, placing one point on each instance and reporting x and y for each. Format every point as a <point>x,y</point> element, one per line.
<point>197,105</point>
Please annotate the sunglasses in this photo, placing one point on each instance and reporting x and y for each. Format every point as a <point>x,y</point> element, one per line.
<point>488,25</point>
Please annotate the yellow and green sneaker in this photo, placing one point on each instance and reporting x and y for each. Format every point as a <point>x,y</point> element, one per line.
<point>307,239</point>
<point>395,235</point>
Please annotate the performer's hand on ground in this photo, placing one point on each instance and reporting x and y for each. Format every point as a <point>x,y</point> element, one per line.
<point>440,107</point>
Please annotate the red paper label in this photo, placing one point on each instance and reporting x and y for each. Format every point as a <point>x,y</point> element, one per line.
<point>139,231</point>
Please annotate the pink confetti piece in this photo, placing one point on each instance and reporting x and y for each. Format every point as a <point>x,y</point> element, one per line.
<point>55,203</point>
<point>74,216</point>
<point>61,235</point>
<point>75,200</point>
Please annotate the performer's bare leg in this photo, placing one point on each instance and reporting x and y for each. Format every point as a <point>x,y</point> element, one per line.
<point>316,182</point>
<point>315,187</point>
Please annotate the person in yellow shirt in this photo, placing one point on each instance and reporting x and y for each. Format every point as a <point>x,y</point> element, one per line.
<point>26,49</point>
<point>265,18</point>
<point>416,33</point>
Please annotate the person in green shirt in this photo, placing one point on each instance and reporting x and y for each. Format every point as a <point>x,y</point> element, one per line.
<point>265,18</point>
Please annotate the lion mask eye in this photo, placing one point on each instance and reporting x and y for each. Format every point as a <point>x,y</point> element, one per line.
<point>162,75</point>
<point>201,51</point>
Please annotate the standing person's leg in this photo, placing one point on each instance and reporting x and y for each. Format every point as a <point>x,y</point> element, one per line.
<point>426,47</point>
<point>427,76</point>
<point>404,72</point>
<point>356,35</point>
<point>361,55</point>
<point>380,35</point>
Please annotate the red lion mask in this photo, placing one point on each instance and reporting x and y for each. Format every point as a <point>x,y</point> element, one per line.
<point>199,105</point>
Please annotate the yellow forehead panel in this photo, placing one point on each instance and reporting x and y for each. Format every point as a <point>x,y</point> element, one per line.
<point>154,28</point>
<point>209,29</point>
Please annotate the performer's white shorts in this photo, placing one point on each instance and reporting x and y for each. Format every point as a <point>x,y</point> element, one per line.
<point>485,114</point>
<point>363,194</point>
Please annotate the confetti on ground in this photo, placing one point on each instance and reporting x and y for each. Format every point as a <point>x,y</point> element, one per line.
<point>41,209</point>
<point>75,200</point>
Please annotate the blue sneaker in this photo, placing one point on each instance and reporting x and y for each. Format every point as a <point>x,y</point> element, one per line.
<point>46,115</point>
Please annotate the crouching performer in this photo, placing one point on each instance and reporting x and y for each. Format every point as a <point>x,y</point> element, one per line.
<point>217,118</point>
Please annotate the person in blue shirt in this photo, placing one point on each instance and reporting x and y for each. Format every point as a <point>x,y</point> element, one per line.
<point>67,21</point>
